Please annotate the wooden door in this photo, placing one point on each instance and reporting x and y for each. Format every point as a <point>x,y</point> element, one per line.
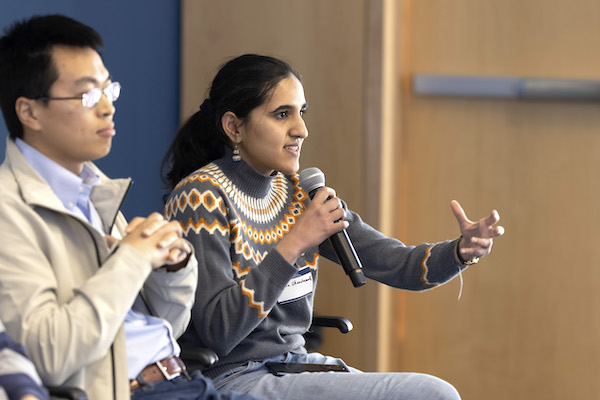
<point>528,322</point>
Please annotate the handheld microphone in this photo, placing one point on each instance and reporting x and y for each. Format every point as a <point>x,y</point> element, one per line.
<point>311,180</point>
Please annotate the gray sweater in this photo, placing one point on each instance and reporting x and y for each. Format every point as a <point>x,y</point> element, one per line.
<point>234,217</point>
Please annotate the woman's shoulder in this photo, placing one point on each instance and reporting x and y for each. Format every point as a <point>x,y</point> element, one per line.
<point>193,188</point>
<point>201,187</point>
<point>207,176</point>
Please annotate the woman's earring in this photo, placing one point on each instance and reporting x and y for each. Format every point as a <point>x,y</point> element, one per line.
<point>236,154</point>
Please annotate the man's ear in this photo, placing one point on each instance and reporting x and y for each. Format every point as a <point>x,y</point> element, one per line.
<point>26,110</point>
<point>231,126</point>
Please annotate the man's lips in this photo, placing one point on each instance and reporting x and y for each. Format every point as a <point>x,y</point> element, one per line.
<point>108,131</point>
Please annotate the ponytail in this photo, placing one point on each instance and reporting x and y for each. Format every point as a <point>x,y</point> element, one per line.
<point>198,142</point>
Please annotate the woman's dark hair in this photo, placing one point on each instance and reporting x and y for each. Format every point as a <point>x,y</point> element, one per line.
<point>26,64</point>
<point>241,85</point>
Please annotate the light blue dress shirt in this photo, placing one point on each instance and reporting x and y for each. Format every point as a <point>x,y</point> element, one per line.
<point>143,332</point>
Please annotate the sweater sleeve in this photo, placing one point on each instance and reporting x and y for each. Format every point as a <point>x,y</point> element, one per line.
<point>171,294</point>
<point>168,295</point>
<point>389,261</point>
<point>231,300</point>
<point>18,376</point>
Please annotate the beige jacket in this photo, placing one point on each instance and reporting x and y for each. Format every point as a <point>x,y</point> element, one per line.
<point>64,294</point>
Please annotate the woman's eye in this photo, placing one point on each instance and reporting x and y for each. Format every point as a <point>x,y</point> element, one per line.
<point>281,114</point>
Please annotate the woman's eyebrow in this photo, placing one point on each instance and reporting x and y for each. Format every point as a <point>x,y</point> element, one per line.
<point>286,107</point>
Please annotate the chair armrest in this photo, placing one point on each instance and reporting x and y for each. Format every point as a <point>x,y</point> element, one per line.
<point>343,324</point>
<point>69,393</point>
<point>199,356</point>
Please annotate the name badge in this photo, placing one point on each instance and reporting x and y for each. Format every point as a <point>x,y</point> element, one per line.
<point>299,286</point>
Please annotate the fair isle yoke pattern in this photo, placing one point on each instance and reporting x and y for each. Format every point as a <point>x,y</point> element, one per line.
<point>254,224</point>
<point>259,211</point>
<point>259,222</point>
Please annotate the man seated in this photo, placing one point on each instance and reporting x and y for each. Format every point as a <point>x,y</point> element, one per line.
<point>96,302</point>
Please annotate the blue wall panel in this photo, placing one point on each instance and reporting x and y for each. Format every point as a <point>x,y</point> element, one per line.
<point>141,50</point>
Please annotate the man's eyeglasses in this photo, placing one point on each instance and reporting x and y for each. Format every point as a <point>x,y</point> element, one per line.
<point>91,98</point>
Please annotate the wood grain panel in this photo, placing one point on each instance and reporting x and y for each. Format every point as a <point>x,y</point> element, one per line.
<point>527,324</point>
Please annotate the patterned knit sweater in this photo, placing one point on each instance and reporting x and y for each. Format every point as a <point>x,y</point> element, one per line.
<point>234,217</point>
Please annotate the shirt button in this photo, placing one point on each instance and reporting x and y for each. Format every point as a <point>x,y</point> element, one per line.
<point>71,205</point>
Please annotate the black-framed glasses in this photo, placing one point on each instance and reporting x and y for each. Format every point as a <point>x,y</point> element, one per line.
<point>91,98</point>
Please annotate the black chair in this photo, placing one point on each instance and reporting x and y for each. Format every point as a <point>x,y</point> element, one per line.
<point>203,358</point>
<point>67,393</point>
<point>343,324</point>
<point>200,357</point>
<point>314,337</point>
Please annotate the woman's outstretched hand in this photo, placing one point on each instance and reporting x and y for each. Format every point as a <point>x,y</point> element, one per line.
<point>476,237</point>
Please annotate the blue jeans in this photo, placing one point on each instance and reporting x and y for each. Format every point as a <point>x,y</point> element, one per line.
<point>254,378</point>
<point>198,387</point>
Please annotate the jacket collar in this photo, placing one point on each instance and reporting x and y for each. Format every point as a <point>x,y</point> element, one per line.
<point>107,196</point>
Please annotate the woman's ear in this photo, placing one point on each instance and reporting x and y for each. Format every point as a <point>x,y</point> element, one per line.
<point>231,123</point>
<point>26,112</point>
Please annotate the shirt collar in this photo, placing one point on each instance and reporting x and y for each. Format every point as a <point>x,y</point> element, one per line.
<point>66,185</point>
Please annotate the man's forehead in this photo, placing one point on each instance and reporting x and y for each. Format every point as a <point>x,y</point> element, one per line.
<point>79,65</point>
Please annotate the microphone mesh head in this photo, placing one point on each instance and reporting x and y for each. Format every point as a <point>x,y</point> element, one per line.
<point>311,179</point>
